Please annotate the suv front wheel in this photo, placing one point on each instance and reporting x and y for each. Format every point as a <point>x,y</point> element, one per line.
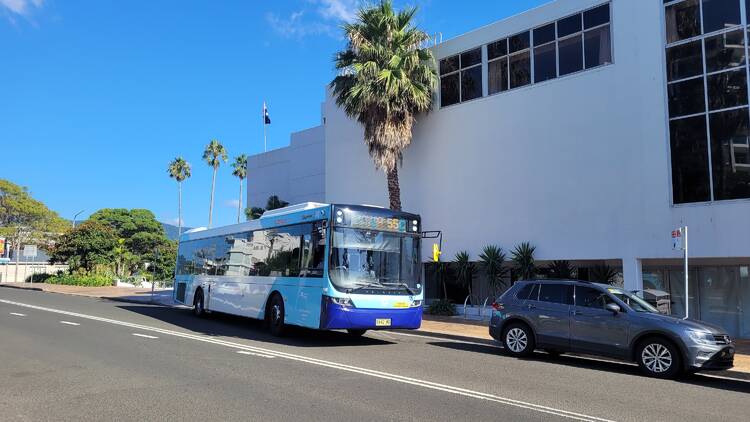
<point>659,358</point>
<point>518,340</point>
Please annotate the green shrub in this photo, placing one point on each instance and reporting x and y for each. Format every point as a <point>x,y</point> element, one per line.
<point>38,278</point>
<point>442,307</point>
<point>81,280</point>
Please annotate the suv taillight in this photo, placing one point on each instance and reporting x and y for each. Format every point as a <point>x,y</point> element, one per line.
<point>497,306</point>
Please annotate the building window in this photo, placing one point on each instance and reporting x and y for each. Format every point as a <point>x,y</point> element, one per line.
<point>569,45</point>
<point>706,69</point>
<point>461,77</point>
<point>690,179</point>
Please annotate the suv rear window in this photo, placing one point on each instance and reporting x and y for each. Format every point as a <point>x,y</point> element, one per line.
<point>529,291</point>
<point>556,293</point>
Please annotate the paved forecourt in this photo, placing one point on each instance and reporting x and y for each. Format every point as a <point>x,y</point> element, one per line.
<point>139,361</point>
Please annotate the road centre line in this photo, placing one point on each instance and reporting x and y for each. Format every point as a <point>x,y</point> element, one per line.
<point>245,352</point>
<point>144,335</point>
<point>17,314</point>
<point>343,367</point>
<point>69,323</point>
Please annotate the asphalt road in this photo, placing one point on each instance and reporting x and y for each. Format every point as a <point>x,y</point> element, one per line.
<point>74,358</point>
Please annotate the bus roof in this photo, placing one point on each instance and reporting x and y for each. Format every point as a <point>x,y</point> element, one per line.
<point>291,214</point>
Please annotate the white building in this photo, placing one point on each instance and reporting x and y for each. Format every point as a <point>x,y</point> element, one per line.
<point>590,128</point>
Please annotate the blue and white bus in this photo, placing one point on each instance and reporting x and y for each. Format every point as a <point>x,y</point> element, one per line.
<point>312,265</point>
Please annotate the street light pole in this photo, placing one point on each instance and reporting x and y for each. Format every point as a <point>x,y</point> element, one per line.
<point>76,216</point>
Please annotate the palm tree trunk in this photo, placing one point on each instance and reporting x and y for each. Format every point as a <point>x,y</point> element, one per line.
<point>211,206</point>
<point>394,190</point>
<point>239,206</point>
<point>179,212</point>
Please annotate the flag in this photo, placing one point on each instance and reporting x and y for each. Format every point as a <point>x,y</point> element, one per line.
<point>266,118</point>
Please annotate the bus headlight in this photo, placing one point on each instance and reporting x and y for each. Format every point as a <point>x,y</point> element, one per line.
<point>341,301</point>
<point>416,304</point>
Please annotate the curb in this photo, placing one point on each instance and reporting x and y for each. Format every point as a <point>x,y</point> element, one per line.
<point>439,335</point>
<point>35,289</point>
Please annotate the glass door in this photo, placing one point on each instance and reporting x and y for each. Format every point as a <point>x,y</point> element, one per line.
<point>720,297</point>
<point>677,293</point>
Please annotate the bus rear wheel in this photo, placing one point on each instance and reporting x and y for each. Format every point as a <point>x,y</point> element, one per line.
<point>356,333</point>
<point>275,316</point>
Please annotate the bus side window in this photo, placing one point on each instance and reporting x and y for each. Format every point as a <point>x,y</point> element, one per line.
<point>313,254</point>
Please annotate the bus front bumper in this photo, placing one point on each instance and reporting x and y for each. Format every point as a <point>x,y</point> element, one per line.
<point>337,317</point>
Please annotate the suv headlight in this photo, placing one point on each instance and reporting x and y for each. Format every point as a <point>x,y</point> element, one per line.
<point>702,337</point>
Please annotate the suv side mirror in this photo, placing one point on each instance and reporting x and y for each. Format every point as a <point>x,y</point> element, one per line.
<point>613,307</point>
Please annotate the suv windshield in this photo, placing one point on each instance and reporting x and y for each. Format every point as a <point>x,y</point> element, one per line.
<point>635,302</point>
<point>373,260</point>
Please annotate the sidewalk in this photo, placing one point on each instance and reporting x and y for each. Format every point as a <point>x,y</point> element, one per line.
<point>122,294</point>
<point>456,328</point>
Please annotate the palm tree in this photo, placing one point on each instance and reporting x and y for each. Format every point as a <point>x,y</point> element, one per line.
<point>523,258</point>
<point>179,170</point>
<point>561,270</point>
<point>385,79</point>
<point>213,155</point>
<point>465,270</point>
<point>493,262</point>
<point>240,170</point>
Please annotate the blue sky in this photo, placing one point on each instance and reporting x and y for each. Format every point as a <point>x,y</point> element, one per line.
<point>96,97</point>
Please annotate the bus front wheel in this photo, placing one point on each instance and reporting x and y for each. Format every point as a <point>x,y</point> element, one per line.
<point>275,316</point>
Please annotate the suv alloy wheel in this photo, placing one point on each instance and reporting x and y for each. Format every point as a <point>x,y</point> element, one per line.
<point>518,339</point>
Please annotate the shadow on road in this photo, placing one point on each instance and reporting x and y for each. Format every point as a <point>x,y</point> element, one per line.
<point>739,382</point>
<point>223,325</point>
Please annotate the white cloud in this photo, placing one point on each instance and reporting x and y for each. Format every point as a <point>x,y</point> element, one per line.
<point>232,203</point>
<point>319,17</point>
<point>21,7</point>
<point>339,10</point>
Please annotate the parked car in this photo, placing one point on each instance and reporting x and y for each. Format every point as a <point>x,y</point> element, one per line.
<point>575,316</point>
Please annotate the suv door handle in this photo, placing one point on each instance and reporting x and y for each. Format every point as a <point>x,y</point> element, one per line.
<point>530,306</point>
<point>576,313</point>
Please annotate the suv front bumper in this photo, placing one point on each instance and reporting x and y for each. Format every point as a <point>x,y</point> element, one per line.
<point>714,358</point>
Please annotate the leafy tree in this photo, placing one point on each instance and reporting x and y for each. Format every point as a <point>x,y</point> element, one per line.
<point>23,219</point>
<point>90,247</point>
<point>213,155</point>
<point>561,270</point>
<point>127,223</point>
<point>179,170</point>
<point>385,79</point>
<point>273,203</point>
<point>253,213</point>
<point>523,258</point>
<point>240,171</point>
<point>465,270</point>
<point>493,262</point>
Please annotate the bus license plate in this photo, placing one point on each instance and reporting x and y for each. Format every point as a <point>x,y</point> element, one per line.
<point>383,322</point>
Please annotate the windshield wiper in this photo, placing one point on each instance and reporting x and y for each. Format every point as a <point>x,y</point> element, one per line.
<point>404,285</point>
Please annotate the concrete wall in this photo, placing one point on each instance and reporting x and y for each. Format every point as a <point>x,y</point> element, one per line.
<point>295,173</point>
<point>578,165</point>
<point>9,273</point>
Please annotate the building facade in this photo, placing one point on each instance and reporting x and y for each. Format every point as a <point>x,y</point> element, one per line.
<point>592,129</point>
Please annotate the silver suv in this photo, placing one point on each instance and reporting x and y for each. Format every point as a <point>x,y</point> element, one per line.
<point>575,316</point>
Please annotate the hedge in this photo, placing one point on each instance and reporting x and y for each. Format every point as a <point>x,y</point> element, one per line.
<point>81,280</point>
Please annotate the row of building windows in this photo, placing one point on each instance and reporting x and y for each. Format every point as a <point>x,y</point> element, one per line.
<point>707,79</point>
<point>569,45</point>
<point>291,251</point>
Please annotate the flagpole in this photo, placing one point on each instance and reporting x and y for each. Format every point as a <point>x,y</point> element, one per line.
<point>265,142</point>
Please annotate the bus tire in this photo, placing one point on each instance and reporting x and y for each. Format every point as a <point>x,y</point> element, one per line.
<point>356,333</point>
<point>275,315</point>
<point>199,307</point>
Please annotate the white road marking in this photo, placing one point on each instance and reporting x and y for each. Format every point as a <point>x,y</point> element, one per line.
<point>441,339</point>
<point>343,367</point>
<point>17,314</point>
<point>245,352</point>
<point>144,335</point>
<point>69,323</point>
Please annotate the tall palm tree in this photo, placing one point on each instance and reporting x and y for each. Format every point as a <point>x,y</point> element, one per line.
<point>240,170</point>
<point>213,156</point>
<point>385,79</point>
<point>179,170</point>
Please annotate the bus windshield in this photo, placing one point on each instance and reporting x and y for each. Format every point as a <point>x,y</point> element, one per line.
<point>364,260</point>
